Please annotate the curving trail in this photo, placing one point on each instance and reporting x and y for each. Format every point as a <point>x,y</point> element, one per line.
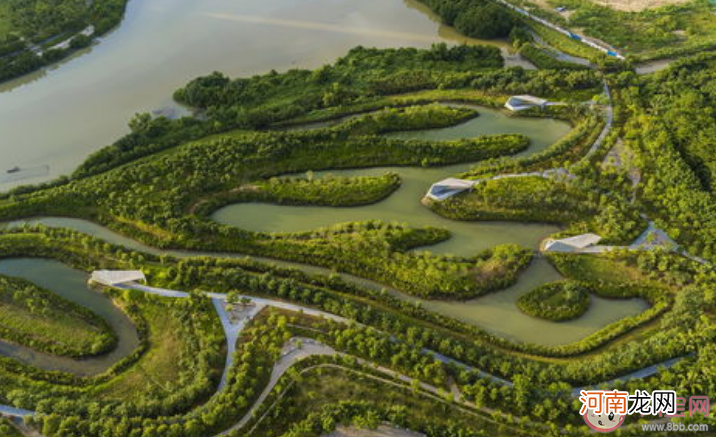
<point>293,353</point>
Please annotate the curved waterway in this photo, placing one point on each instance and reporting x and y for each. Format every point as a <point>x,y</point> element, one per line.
<point>70,284</point>
<point>495,312</point>
<point>85,102</point>
<point>404,205</point>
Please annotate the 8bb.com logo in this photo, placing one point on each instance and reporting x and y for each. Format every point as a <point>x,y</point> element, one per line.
<point>605,411</point>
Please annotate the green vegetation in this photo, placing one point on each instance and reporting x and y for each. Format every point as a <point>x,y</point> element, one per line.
<point>329,190</point>
<point>160,183</point>
<point>476,18</point>
<point>325,397</point>
<point>42,320</point>
<point>543,59</point>
<point>7,430</point>
<point>668,135</point>
<point>164,200</point>
<point>163,368</point>
<point>409,118</point>
<point>556,301</point>
<point>30,28</point>
<point>651,32</point>
<point>326,191</point>
<point>534,198</point>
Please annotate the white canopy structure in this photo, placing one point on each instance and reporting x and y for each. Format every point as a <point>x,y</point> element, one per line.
<point>520,103</point>
<point>449,187</point>
<point>572,244</point>
<point>117,277</point>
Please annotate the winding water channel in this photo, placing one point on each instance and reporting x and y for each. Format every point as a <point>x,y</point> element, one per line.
<point>496,312</point>
<point>85,102</point>
<point>71,284</point>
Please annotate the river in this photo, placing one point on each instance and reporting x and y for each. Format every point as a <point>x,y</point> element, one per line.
<point>58,116</point>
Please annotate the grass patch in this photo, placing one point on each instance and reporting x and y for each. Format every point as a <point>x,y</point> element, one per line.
<point>5,23</point>
<point>41,320</point>
<point>162,370</point>
<point>322,387</point>
<point>593,268</point>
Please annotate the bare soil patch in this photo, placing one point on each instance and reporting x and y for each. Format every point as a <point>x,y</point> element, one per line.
<point>622,5</point>
<point>637,5</point>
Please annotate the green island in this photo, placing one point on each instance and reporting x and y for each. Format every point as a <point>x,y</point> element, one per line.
<point>42,320</point>
<point>428,241</point>
<point>556,301</point>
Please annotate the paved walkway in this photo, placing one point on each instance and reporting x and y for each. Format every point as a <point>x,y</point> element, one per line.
<point>290,355</point>
<point>639,374</point>
<point>232,331</point>
<point>588,42</point>
<point>607,126</point>
<point>8,411</point>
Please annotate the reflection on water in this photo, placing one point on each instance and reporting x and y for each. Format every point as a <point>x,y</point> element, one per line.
<point>404,206</point>
<point>70,284</point>
<point>84,103</point>
<point>498,313</point>
<point>495,312</point>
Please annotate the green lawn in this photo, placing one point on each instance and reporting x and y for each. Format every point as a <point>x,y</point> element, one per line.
<point>160,371</point>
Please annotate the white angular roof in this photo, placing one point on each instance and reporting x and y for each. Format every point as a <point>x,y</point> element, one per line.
<point>449,187</point>
<point>572,244</point>
<point>582,241</point>
<point>116,277</point>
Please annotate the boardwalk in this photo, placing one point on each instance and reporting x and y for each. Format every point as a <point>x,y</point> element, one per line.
<point>8,411</point>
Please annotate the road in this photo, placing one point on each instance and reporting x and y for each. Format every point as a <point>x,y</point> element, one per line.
<point>593,44</point>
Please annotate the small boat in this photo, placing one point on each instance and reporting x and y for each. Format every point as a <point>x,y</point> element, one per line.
<point>14,170</point>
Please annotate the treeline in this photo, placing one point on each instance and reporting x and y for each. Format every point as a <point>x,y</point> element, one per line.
<point>475,18</point>
<point>418,117</point>
<point>221,275</point>
<point>556,301</point>
<point>545,60</point>
<point>42,23</point>
<point>550,200</point>
<point>258,348</point>
<point>670,121</point>
<point>328,190</point>
<point>161,192</point>
<point>200,347</point>
<point>359,79</point>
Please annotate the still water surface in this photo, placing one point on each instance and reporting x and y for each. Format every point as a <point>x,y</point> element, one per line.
<point>58,116</point>
<point>70,284</point>
<point>496,312</point>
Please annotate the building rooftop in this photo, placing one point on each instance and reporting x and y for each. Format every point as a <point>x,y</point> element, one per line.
<point>116,277</point>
